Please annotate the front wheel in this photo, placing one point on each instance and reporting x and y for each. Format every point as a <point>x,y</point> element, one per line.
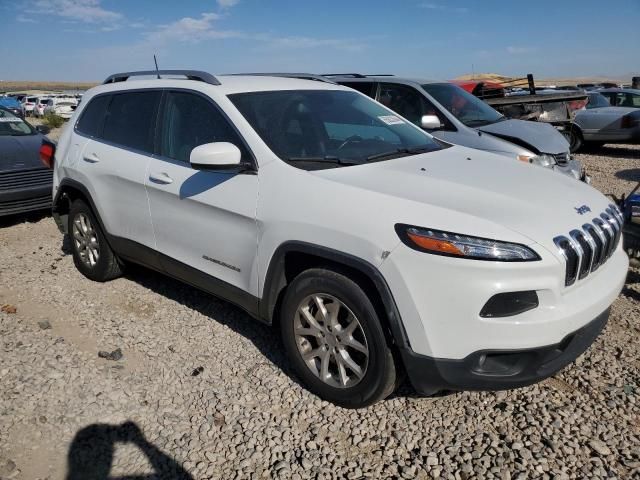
<point>335,341</point>
<point>575,140</point>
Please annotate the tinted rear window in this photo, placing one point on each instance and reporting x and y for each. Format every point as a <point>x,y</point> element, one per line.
<point>131,119</point>
<point>91,119</point>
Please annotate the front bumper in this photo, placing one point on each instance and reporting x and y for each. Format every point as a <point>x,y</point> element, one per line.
<point>500,369</point>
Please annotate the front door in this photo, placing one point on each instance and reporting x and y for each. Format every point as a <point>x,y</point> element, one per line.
<point>202,219</point>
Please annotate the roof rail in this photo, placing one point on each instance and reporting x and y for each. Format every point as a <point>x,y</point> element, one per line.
<point>301,76</point>
<point>189,74</point>
<point>381,75</point>
<point>354,75</point>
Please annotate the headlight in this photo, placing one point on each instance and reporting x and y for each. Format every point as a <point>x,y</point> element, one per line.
<point>540,160</point>
<point>457,245</point>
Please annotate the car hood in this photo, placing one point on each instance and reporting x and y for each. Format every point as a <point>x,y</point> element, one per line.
<point>477,193</point>
<point>536,136</point>
<point>20,152</point>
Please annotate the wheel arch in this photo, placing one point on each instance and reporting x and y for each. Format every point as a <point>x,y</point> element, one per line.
<point>70,190</point>
<point>292,258</point>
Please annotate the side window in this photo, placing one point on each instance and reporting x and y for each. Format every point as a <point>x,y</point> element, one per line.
<point>629,100</point>
<point>368,88</point>
<point>131,118</point>
<point>611,97</point>
<point>90,122</point>
<point>408,102</point>
<point>191,120</point>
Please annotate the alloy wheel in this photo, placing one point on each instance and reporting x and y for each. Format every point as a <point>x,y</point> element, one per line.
<point>331,341</point>
<point>85,239</point>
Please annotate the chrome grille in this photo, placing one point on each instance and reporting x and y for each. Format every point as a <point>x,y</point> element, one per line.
<point>13,180</point>
<point>587,248</point>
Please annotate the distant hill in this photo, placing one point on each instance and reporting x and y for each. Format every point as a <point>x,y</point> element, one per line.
<point>25,86</point>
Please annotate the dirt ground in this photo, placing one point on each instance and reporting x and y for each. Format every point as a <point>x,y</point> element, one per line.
<point>199,390</point>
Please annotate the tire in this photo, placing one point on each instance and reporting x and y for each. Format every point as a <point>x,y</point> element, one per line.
<point>345,303</point>
<point>92,255</point>
<point>575,140</point>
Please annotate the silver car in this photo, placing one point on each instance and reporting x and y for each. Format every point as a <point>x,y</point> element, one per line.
<point>601,123</point>
<point>452,114</point>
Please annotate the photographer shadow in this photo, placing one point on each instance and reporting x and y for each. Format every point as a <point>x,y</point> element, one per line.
<point>92,451</point>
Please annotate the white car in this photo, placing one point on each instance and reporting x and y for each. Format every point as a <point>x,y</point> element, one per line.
<point>61,106</point>
<point>317,209</point>
<point>29,104</point>
<point>39,106</point>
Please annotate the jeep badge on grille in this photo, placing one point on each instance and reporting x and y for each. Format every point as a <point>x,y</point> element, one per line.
<point>582,209</point>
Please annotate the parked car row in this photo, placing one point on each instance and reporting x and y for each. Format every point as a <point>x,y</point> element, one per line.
<point>376,247</point>
<point>59,104</point>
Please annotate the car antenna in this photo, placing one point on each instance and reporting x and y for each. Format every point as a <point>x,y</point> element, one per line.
<point>156,62</point>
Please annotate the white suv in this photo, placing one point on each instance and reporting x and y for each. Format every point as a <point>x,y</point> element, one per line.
<point>313,207</point>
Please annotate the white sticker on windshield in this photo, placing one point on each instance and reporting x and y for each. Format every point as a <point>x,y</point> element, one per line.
<point>10,120</point>
<point>391,120</point>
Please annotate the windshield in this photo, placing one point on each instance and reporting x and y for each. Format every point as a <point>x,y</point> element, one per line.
<point>467,108</point>
<point>12,126</point>
<point>597,100</point>
<point>326,128</point>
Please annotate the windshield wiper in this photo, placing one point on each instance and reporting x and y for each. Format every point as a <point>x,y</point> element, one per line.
<point>325,159</point>
<point>398,151</point>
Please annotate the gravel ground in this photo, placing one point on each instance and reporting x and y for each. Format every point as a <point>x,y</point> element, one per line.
<point>199,390</point>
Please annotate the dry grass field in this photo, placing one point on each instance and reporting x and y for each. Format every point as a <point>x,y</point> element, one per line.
<point>25,86</point>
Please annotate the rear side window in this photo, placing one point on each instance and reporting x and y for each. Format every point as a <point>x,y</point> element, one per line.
<point>368,88</point>
<point>131,119</point>
<point>191,120</point>
<point>90,122</point>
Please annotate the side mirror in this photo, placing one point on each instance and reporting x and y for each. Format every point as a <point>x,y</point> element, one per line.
<point>43,129</point>
<point>430,122</point>
<point>215,156</point>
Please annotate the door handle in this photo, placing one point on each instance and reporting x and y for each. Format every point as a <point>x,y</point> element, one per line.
<point>91,158</point>
<point>161,177</point>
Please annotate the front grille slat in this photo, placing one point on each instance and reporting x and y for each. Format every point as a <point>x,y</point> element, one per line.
<point>587,248</point>
<point>12,180</point>
<point>598,245</point>
<point>587,253</point>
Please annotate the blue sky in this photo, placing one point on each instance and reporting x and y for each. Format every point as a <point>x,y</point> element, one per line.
<point>89,39</point>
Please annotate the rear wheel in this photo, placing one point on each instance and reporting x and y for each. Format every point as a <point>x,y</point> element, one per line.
<point>335,341</point>
<point>92,255</point>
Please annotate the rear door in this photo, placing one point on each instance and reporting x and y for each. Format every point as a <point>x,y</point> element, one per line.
<point>204,220</point>
<point>114,163</point>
